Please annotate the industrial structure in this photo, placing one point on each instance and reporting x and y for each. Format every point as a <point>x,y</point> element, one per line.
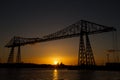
<point>80,29</point>
<point>115,55</point>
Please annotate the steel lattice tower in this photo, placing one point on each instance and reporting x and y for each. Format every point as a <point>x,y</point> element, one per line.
<point>11,55</point>
<point>85,54</point>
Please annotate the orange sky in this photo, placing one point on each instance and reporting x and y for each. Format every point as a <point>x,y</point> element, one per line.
<point>48,52</point>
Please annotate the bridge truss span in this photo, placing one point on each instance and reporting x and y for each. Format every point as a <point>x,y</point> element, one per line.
<point>80,29</point>
<point>74,30</point>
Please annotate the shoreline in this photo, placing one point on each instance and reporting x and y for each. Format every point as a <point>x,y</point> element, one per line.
<point>107,67</point>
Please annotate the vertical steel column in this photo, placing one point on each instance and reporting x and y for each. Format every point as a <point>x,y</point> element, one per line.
<point>90,58</point>
<point>81,53</point>
<point>18,58</point>
<point>11,56</point>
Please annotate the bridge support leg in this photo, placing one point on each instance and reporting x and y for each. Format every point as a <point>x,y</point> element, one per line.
<point>11,56</point>
<point>81,53</point>
<point>18,58</point>
<point>90,61</point>
<point>85,54</point>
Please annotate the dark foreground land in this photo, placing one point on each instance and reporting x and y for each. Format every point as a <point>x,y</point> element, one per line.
<point>107,67</point>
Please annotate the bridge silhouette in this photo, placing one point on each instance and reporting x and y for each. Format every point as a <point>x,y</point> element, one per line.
<point>80,29</point>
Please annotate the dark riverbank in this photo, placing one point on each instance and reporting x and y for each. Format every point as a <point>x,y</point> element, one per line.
<point>108,67</point>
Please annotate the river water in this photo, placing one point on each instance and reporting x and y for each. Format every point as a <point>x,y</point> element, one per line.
<point>54,74</point>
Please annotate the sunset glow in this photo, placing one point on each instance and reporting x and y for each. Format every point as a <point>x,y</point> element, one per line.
<point>55,62</point>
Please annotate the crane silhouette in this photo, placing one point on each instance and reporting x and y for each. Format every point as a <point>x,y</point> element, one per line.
<point>80,29</point>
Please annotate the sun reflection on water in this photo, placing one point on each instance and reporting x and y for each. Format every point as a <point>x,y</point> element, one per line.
<point>55,74</point>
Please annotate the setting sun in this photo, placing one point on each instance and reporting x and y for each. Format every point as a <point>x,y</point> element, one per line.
<point>55,62</point>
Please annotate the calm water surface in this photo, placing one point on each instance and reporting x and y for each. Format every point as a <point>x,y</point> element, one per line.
<point>40,74</point>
